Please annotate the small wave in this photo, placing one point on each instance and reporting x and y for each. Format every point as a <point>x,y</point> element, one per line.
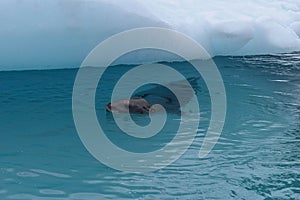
<point>40,171</point>
<point>27,174</point>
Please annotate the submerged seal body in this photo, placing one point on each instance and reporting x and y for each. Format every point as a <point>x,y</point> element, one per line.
<point>156,97</point>
<point>133,105</point>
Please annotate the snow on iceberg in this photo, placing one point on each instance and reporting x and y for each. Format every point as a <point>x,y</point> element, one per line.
<point>60,33</point>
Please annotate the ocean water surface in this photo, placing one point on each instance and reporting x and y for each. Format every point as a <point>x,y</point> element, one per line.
<point>256,157</point>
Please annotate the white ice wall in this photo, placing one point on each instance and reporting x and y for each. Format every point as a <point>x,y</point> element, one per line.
<point>59,33</point>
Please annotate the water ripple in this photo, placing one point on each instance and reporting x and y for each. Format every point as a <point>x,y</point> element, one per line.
<point>40,171</point>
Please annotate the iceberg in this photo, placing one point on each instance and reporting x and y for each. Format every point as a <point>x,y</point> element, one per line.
<point>44,34</point>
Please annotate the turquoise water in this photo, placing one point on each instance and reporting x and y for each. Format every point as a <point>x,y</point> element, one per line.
<point>257,156</point>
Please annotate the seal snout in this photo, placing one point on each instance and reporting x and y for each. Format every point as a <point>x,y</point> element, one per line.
<point>108,107</point>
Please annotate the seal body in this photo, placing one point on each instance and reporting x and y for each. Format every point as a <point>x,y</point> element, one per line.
<point>156,98</point>
<point>133,105</point>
